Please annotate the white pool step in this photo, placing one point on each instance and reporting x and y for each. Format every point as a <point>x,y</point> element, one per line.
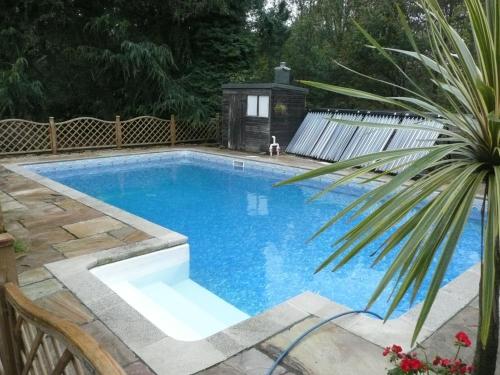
<point>158,286</point>
<point>194,306</point>
<point>209,301</point>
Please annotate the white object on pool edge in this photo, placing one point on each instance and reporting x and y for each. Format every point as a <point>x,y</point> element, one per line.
<point>158,286</point>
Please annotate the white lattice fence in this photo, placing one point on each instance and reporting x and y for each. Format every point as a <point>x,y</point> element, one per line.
<point>85,132</point>
<point>23,136</point>
<point>145,130</point>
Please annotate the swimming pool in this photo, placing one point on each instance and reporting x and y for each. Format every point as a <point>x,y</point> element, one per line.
<point>247,239</point>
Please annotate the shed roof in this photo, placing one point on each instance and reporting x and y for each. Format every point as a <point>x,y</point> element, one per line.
<point>243,86</point>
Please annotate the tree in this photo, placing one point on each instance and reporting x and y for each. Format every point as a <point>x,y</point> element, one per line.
<point>107,57</point>
<point>271,30</point>
<point>457,168</point>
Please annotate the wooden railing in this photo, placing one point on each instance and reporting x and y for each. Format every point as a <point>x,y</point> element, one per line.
<point>23,136</point>
<point>34,341</point>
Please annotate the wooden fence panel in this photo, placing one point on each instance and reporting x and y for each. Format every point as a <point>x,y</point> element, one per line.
<point>84,133</point>
<point>145,130</point>
<point>23,136</point>
<point>187,132</point>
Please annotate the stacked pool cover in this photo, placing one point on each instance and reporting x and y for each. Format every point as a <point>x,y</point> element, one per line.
<point>333,136</point>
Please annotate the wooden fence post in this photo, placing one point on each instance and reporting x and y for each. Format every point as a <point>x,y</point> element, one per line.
<point>217,129</point>
<point>173,130</point>
<point>118,132</point>
<point>8,273</point>
<point>53,135</point>
<point>8,257</point>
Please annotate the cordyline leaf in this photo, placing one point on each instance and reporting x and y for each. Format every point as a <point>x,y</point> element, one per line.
<point>459,220</point>
<point>431,212</point>
<point>353,163</point>
<point>488,270</point>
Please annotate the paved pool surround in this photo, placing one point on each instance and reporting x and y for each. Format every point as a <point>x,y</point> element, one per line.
<point>166,355</point>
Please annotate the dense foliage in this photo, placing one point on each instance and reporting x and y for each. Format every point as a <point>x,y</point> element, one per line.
<point>102,57</point>
<point>105,57</point>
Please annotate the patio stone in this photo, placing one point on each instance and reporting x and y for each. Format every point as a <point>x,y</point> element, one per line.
<point>43,237</point>
<point>42,289</point>
<point>252,331</point>
<point>225,344</point>
<point>172,357</point>
<point>94,226</point>
<point>129,234</point>
<point>33,276</point>
<point>65,305</point>
<point>110,342</point>
<point>40,220</point>
<point>441,341</point>
<point>69,204</point>
<point>13,205</point>
<point>94,243</point>
<point>249,362</point>
<point>32,194</point>
<point>34,259</point>
<point>130,326</point>
<point>475,303</point>
<point>329,350</point>
<point>138,368</point>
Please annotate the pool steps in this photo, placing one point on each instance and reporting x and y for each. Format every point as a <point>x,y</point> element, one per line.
<point>194,308</point>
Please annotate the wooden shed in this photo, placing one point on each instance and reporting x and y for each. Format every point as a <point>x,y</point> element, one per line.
<point>253,112</point>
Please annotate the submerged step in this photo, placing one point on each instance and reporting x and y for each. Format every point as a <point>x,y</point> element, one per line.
<point>193,306</point>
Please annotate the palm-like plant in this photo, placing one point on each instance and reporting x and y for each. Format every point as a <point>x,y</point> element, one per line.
<point>467,164</point>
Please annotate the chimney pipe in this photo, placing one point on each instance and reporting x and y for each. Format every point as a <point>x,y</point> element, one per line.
<point>282,74</point>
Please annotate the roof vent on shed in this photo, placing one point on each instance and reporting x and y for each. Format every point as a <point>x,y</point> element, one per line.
<point>282,74</point>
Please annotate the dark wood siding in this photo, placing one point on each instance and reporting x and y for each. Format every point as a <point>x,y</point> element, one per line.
<point>288,110</point>
<point>241,132</point>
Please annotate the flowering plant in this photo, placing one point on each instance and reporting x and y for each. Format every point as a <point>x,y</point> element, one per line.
<point>410,363</point>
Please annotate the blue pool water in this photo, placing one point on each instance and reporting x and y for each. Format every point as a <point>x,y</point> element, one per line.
<point>248,239</point>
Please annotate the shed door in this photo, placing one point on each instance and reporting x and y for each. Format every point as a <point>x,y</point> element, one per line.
<point>235,140</point>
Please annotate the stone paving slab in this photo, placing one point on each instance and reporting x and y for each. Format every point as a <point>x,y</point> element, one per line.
<point>329,350</point>
<point>44,238</point>
<point>129,234</point>
<point>42,289</point>
<point>66,306</point>
<point>138,368</point>
<point>92,227</point>
<point>37,258</point>
<point>249,362</point>
<point>172,357</point>
<point>33,276</point>
<point>119,351</point>
<point>101,241</point>
<point>43,220</point>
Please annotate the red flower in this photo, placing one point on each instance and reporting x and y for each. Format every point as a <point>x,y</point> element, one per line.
<point>462,339</point>
<point>445,362</point>
<point>405,365</point>
<point>436,361</point>
<point>396,349</point>
<point>416,364</point>
<point>410,364</point>
<point>386,351</point>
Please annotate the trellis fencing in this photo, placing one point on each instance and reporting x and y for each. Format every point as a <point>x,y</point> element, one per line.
<point>25,137</point>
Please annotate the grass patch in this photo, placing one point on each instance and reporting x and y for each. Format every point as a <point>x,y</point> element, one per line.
<point>19,246</point>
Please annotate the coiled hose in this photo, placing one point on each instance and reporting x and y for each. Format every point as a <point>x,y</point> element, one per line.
<point>295,342</point>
